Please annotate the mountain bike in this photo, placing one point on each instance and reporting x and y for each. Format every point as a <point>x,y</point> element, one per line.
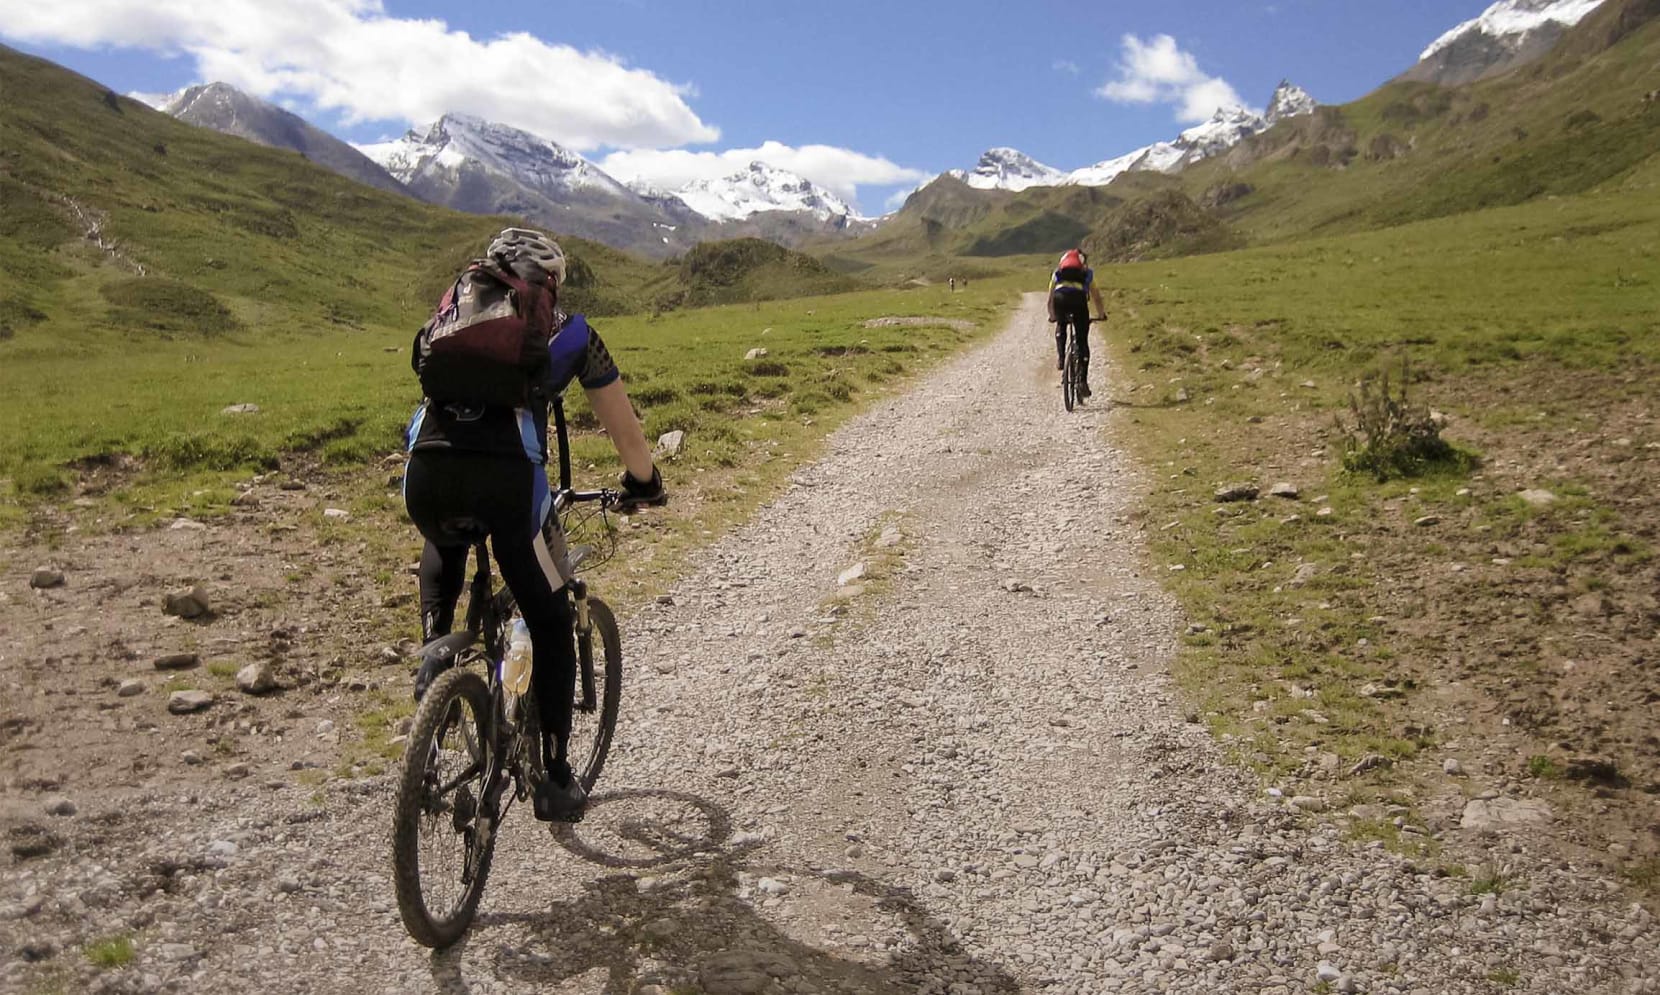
<point>1073,386</point>
<point>475,746</point>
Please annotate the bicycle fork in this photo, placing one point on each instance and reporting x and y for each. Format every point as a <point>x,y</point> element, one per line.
<point>584,646</point>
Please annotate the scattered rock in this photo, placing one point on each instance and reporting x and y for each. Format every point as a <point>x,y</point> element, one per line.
<point>178,661</point>
<point>1305,573</point>
<point>1236,492</point>
<point>239,769</point>
<point>45,578</point>
<point>756,353</point>
<point>240,409</point>
<point>1500,813</point>
<point>1329,973</point>
<point>1371,761</point>
<point>772,886</point>
<point>1017,587</point>
<point>1284,490</point>
<point>247,499</point>
<point>257,678</point>
<point>668,445</point>
<point>1308,803</point>
<point>60,806</point>
<point>1598,770</point>
<point>192,603</point>
<point>1427,520</point>
<point>1538,497</point>
<point>30,840</point>
<point>130,687</point>
<point>851,574</point>
<point>337,514</point>
<point>1452,766</point>
<point>185,702</point>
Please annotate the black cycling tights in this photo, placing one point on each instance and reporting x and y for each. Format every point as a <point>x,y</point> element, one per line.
<point>500,492</point>
<point>1072,309</point>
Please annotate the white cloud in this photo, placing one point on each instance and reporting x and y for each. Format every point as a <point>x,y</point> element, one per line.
<point>840,171</point>
<point>349,57</point>
<point>1066,66</point>
<point>1157,71</point>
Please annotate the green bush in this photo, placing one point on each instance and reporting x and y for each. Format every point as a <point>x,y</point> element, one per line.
<point>1392,437</point>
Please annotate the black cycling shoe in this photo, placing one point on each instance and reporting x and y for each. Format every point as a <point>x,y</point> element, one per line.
<point>1083,389</point>
<point>555,803</point>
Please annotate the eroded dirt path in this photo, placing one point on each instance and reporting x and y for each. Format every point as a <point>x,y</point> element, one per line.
<point>966,772</point>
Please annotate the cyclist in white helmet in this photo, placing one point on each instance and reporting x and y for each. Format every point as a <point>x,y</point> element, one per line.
<point>485,463</point>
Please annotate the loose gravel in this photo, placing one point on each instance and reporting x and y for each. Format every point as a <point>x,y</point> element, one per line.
<point>965,771</point>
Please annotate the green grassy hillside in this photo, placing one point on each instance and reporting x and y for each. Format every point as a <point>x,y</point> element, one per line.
<point>748,269</point>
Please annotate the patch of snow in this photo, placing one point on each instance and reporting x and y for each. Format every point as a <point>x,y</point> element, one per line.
<point>1515,19</point>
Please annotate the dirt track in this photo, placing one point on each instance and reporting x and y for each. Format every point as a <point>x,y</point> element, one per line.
<point>967,774</point>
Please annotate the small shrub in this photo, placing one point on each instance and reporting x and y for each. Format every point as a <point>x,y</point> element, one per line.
<point>1392,437</point>
<point>1543,767</point>
<point>768,368</point>
<point>114,951</point>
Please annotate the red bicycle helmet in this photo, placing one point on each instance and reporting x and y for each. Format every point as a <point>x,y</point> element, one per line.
<point>1071,259</point>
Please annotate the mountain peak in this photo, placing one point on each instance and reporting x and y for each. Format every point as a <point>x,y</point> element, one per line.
<point>759,187</point>
<point>1004,168</point>
<point>1504,36</point>
<point>1289,100</point>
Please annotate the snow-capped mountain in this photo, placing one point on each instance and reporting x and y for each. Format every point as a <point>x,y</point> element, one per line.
<point>226,109</point>
<point>756,189</point>
<point>1227,128</point>
<point>436,156</point>
<point>1289,100</point>
<point>1504,36</point>
<point>1008,169</point>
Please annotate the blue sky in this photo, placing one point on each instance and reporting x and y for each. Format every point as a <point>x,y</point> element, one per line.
<point>863,96</point>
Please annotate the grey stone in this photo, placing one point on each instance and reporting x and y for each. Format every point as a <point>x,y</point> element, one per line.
<point>45,577</point>
<point>60,806</point>
<point>1284,490</point>
<point>185,702</point>
<point>192,603</point>
<point>239,409</point>
<point>130,687</point>
<point>755,353</point>
<point>257,678</point>
<point>1538,497</point>
<point>668,445</point>
<point>1236,492</point>
<point>178,661</point>
<point>1505,813</point>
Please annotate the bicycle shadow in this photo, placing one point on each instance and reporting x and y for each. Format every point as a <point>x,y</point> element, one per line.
<point>692,923</point>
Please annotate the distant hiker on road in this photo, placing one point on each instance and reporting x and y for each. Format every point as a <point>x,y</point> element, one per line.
<point>491,360</point>
<point>953,282</point>
<point>1071,288</point>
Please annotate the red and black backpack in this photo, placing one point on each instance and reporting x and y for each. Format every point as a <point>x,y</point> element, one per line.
<point>487,342</point>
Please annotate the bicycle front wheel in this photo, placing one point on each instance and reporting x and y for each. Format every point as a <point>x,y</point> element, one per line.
<point>594,719</point>
<point>442,832</point>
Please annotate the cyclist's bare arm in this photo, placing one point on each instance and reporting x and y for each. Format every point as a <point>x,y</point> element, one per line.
<point>616,414</point>
<point>1095,295</point>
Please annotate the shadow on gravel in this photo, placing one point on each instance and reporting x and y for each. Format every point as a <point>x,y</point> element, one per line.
<point>689,922</point>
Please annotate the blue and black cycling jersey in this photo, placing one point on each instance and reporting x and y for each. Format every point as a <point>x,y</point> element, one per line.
<point>1078,281</point>
<point>575,352</point>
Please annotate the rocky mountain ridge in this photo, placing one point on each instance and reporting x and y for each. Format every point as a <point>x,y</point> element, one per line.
<point>1503,37</point>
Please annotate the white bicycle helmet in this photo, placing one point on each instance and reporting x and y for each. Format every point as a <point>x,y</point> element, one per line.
<point>514,245</point>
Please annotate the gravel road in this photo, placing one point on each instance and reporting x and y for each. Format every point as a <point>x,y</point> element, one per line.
<point>964,772</point>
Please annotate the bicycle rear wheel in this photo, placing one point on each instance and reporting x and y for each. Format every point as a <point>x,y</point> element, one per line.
<point>593,725</point>
<point>442,834</point>
<point>1069,374</point>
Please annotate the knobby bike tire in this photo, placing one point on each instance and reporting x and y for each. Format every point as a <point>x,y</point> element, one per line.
<point>428,929</point>
<point>1069,375</point>
<point>608,669</point>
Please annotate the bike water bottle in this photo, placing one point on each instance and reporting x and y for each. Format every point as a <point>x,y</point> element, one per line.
<point>515,666</point>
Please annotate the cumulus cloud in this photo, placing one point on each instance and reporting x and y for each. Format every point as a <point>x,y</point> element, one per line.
<point>838,170</point>
<point>349,57</point>
<point>1157,71</point>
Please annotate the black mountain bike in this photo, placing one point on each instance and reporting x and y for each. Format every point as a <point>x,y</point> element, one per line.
<point>475,746</point>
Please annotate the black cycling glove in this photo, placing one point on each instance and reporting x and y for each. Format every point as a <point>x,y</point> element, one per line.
<point>637,494</point>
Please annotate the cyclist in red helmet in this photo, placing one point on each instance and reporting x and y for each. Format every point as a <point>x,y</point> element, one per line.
<point>1071,288</point>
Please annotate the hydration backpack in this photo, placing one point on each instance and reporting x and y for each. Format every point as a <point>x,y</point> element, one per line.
<point>1071,268</point>
<point>488,340</point>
